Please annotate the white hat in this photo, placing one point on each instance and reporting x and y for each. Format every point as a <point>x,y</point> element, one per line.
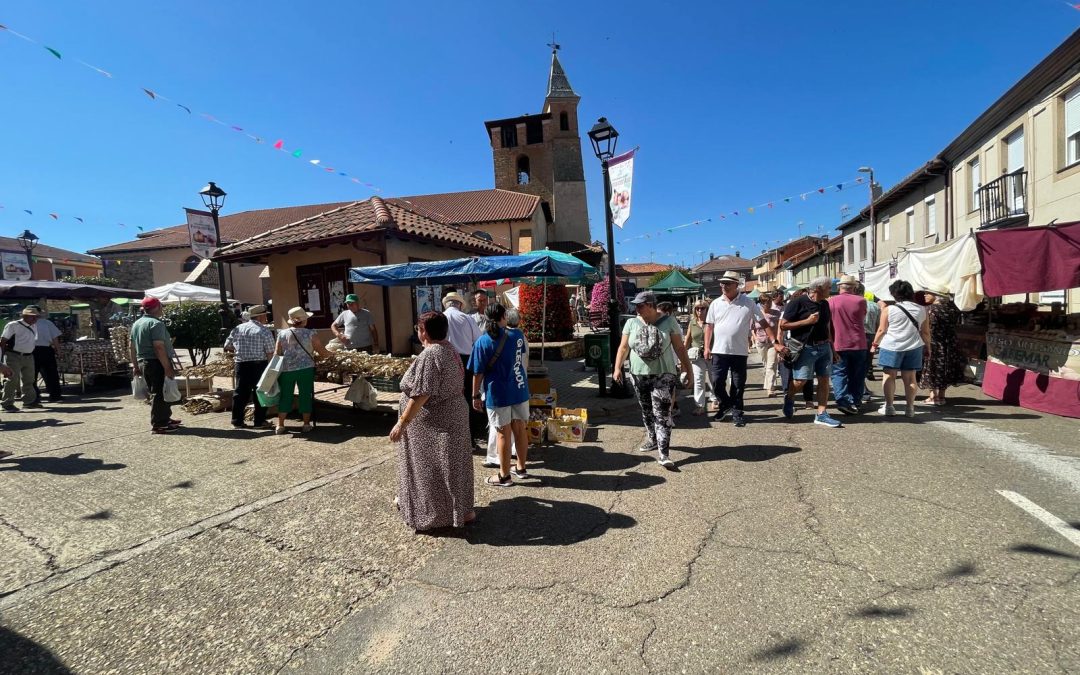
<point>453,297</point>
<point>730,276</point>
<point>298,314</point>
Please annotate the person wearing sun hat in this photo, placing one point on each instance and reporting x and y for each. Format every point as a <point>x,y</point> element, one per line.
<point>463,332</point>
<point>298,346</point>
<point>253,345</point>
<point>356,327</point>
<point>19,338</point>
<point>152,356</point>
<point>848,310</point>
<point>944,364</point>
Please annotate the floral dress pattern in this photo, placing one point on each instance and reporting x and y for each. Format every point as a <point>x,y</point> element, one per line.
<point>945,366</point>
<point>435,466</point>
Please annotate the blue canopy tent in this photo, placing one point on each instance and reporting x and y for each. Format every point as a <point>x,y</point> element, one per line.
<point>542,264</point>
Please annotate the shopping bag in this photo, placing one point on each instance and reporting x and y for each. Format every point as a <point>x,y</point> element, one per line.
<point>269,399</point>
<point>171,391</point>
<point>139,389</point>
<point>363,394</point>
<point>270,375</point>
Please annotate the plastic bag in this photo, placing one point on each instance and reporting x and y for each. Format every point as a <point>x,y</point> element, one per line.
<point>363,394</point>
<point>139,389</point>
<point>171,391</point>
<point>269,399</point>
<point>270,375</point>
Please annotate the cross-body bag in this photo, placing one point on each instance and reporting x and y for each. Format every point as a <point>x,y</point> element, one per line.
<point>8,344</point>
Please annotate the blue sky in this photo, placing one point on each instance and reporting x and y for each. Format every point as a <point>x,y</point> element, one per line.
<point>732,104</point>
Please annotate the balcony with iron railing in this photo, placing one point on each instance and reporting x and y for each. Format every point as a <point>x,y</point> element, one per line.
<point>1003,201</point>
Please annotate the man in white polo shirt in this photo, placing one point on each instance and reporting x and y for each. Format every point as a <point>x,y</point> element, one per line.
<point>727,345</point>
<point>19,339</point>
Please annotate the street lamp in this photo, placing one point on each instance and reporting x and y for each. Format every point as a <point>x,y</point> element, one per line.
<point>214,197</point>
<point>604,137</point>
<point>28,240</point>
<point>873,225</point>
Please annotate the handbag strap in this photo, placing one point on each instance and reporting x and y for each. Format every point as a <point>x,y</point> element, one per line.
<point>293,330</point>
<point>913,321</point>
<point>498,351</point>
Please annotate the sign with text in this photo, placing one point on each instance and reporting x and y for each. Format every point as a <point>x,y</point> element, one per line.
<point>1044,352</point>
<point>621,174</point>
<point>15,267</point>
<point>201,231</point>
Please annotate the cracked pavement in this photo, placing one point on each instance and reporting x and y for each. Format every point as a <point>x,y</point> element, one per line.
<point>781,546</point>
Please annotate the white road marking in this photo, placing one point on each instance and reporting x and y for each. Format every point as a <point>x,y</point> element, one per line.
<point>1050,520</point>
<point>1059,467</point>
<point>67,577</point>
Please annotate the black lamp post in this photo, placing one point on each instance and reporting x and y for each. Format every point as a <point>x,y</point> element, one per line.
<point>214,197</point>
<point>28,240</point>
<point>604,138</point>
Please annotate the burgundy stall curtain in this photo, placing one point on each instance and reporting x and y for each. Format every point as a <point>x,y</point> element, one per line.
<point>1030,259</point>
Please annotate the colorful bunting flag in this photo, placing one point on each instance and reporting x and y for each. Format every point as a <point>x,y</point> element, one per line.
<point>54,52</point>
<point>297,153</point>
<point>186,109</point>
<point>149,93</point>
<point>821,190</point>
<point>839,187</point>
<point>751,209</point>
<point>28,211</point>
<point>280,145</point>
<point>315,161</point>
<point>54,216</point>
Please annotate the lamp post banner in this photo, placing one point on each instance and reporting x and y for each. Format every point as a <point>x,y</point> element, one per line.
<point>15,266</point>
<point>201,231</point>
<point>621,171</point>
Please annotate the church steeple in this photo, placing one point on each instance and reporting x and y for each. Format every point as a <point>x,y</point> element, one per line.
<point>558,84</point>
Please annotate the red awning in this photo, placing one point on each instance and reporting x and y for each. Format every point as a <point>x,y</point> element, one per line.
<point>1030,259</point>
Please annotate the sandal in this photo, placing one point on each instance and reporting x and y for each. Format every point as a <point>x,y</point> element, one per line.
<point>499,481</point>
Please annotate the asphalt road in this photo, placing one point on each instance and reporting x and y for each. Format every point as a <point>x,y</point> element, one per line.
<point>924,545</point>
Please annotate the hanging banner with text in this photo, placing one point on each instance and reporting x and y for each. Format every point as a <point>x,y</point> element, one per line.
<point>14,266</point>
<point>200,225</point>
<point>621,174</point>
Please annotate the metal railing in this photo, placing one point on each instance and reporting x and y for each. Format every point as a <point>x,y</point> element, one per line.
<point>1003,199</point>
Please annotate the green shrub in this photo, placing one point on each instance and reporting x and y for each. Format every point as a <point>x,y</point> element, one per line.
<point>94,281</point>
<point>195,326</point>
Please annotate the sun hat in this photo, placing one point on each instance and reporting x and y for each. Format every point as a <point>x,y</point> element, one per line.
<point>352,297</point>
<point>453,297</point>
<point>848,280</point>
<point>644,297</point>
<point>936,290</point>
<point>298,314</point>
<point>30,311</point>
<point>256,310</point>
<point>730,276</point>
<point>150,303</point>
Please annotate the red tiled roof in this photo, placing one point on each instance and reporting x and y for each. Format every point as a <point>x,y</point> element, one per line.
<point>58,255</point>
<point>639,269</point>
<point>234,227</point>
<point>475,206</point>
<point>724,263</point>
<point>356,218</point>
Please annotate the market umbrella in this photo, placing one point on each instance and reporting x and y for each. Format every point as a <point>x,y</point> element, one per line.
<point>587,272</point>
<point>178,291</point>
<point>754,294</point>
<point>466,270</point>
<point>59,290</point>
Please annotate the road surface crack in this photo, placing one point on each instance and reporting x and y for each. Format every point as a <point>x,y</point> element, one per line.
<point>811,521</point>
<point>34,543</point>
<point>930,502</point>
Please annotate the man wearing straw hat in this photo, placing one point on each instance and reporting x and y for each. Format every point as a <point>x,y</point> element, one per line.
<point>463,334</point>
<point>253,345</point>
<point>18,339</point>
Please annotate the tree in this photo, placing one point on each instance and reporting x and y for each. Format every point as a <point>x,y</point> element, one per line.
<point>559,326</point>
<point>94,281</point>
<point>195,326</point>
<point>598,303</point>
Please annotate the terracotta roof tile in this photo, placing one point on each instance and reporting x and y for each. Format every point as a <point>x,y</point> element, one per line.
<point>638,269</point>
<point>724,263</point>
<point>234,227</point>
<point>45,251</point>
<point>475,206</point>
<point>356,218</point>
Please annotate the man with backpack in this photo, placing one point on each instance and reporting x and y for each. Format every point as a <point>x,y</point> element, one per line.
<point>653,342</point>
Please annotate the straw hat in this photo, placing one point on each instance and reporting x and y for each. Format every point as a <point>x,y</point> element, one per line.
<point>30,311</point>
<point>730,276</point>
<point>298,314</point>
<point>848,280</point>
<point>453,297</point>
<point>256,310</point>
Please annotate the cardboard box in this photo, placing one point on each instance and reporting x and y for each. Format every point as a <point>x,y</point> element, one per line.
<point>537,431</point>
<point>539,385</point>
<point>562,431</point>
<point>546,399</point>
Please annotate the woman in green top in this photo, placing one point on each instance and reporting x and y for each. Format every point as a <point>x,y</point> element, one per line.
<point>652,343</point>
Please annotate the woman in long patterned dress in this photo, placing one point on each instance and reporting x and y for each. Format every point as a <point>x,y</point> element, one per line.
<point>435,467</point>
<point>944,366</point>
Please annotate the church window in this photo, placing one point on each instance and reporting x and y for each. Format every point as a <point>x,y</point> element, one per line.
<point>191,263</point>
<point>509,136</point>
<point>564,121</point>
<point>523,170</point>
<point>534,131</point>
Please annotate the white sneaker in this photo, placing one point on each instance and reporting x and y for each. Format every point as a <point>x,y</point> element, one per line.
<point>910,412</point>
<point>887,410</point>
<point>665,461</point>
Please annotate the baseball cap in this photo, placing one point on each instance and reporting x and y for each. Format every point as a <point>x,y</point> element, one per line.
<point>352,297</point>
<point>150,303</point>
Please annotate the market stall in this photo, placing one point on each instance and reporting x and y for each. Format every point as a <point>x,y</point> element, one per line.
<point>1033,350</point>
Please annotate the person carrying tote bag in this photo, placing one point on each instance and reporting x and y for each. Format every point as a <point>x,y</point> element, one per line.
<point>297,346</point>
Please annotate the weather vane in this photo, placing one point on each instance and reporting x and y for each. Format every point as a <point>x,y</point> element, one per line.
<point>554,45</point>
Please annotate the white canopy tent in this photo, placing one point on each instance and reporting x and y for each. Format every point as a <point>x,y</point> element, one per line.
<point>179,291</point>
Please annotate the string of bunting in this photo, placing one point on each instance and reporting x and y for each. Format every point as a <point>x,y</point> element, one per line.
<point>155,96</point>
<point>749,211</point>
<point>57,216</point>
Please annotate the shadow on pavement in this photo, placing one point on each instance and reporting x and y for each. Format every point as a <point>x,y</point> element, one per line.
<point>779,650</point>
<point>631,480</point>
<point>100,515</point>
<point>964,569</point>
<point>593,458</point>
<point>20,654</point>
<point>60,408</point>
<point>72,465</point>
<point>1035,549</point>
<point>741,453</point>
<point>20,425</point>
<point>531,521</point>
<point>872,612</point>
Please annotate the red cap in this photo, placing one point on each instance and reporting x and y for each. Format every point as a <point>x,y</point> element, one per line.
<point>150,303</point>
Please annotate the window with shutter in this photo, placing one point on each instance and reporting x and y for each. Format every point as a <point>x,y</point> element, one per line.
<point>975,180</point>
<point>1014,151</point>
<point>931,217</point>
<point>1072,126</point>
<point>911,226</point>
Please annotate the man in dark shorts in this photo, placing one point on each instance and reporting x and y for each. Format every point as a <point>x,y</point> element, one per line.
<point>810,322</point>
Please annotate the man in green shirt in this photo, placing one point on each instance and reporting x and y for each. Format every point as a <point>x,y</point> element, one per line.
<point>152,357</point>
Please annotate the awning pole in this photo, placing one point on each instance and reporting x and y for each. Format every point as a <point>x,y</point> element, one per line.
<point>543,325</point>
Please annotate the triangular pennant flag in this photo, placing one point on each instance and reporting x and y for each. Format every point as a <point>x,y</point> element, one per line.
<point>355,180</point>
<point>735,212</point>
<point>803,195</point>
<point>821,190</point>
<point>722,217</point>
<point>28,211</point>
<point>139,227</point>
<point>149,93</point>
<point>839,187</point>
<point>78,219</point>
<point>751,209</point>
<point>186,109</point>
<point>54,52</point>
<point>770,205</point>
<point>342,173</point>
<point>787,200</point>
<point>54,216</point>
<point>280,145</point>
<point>315,161</point>
<point>236,128</point>
<point>330,169</point>
<point>297,153</point>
